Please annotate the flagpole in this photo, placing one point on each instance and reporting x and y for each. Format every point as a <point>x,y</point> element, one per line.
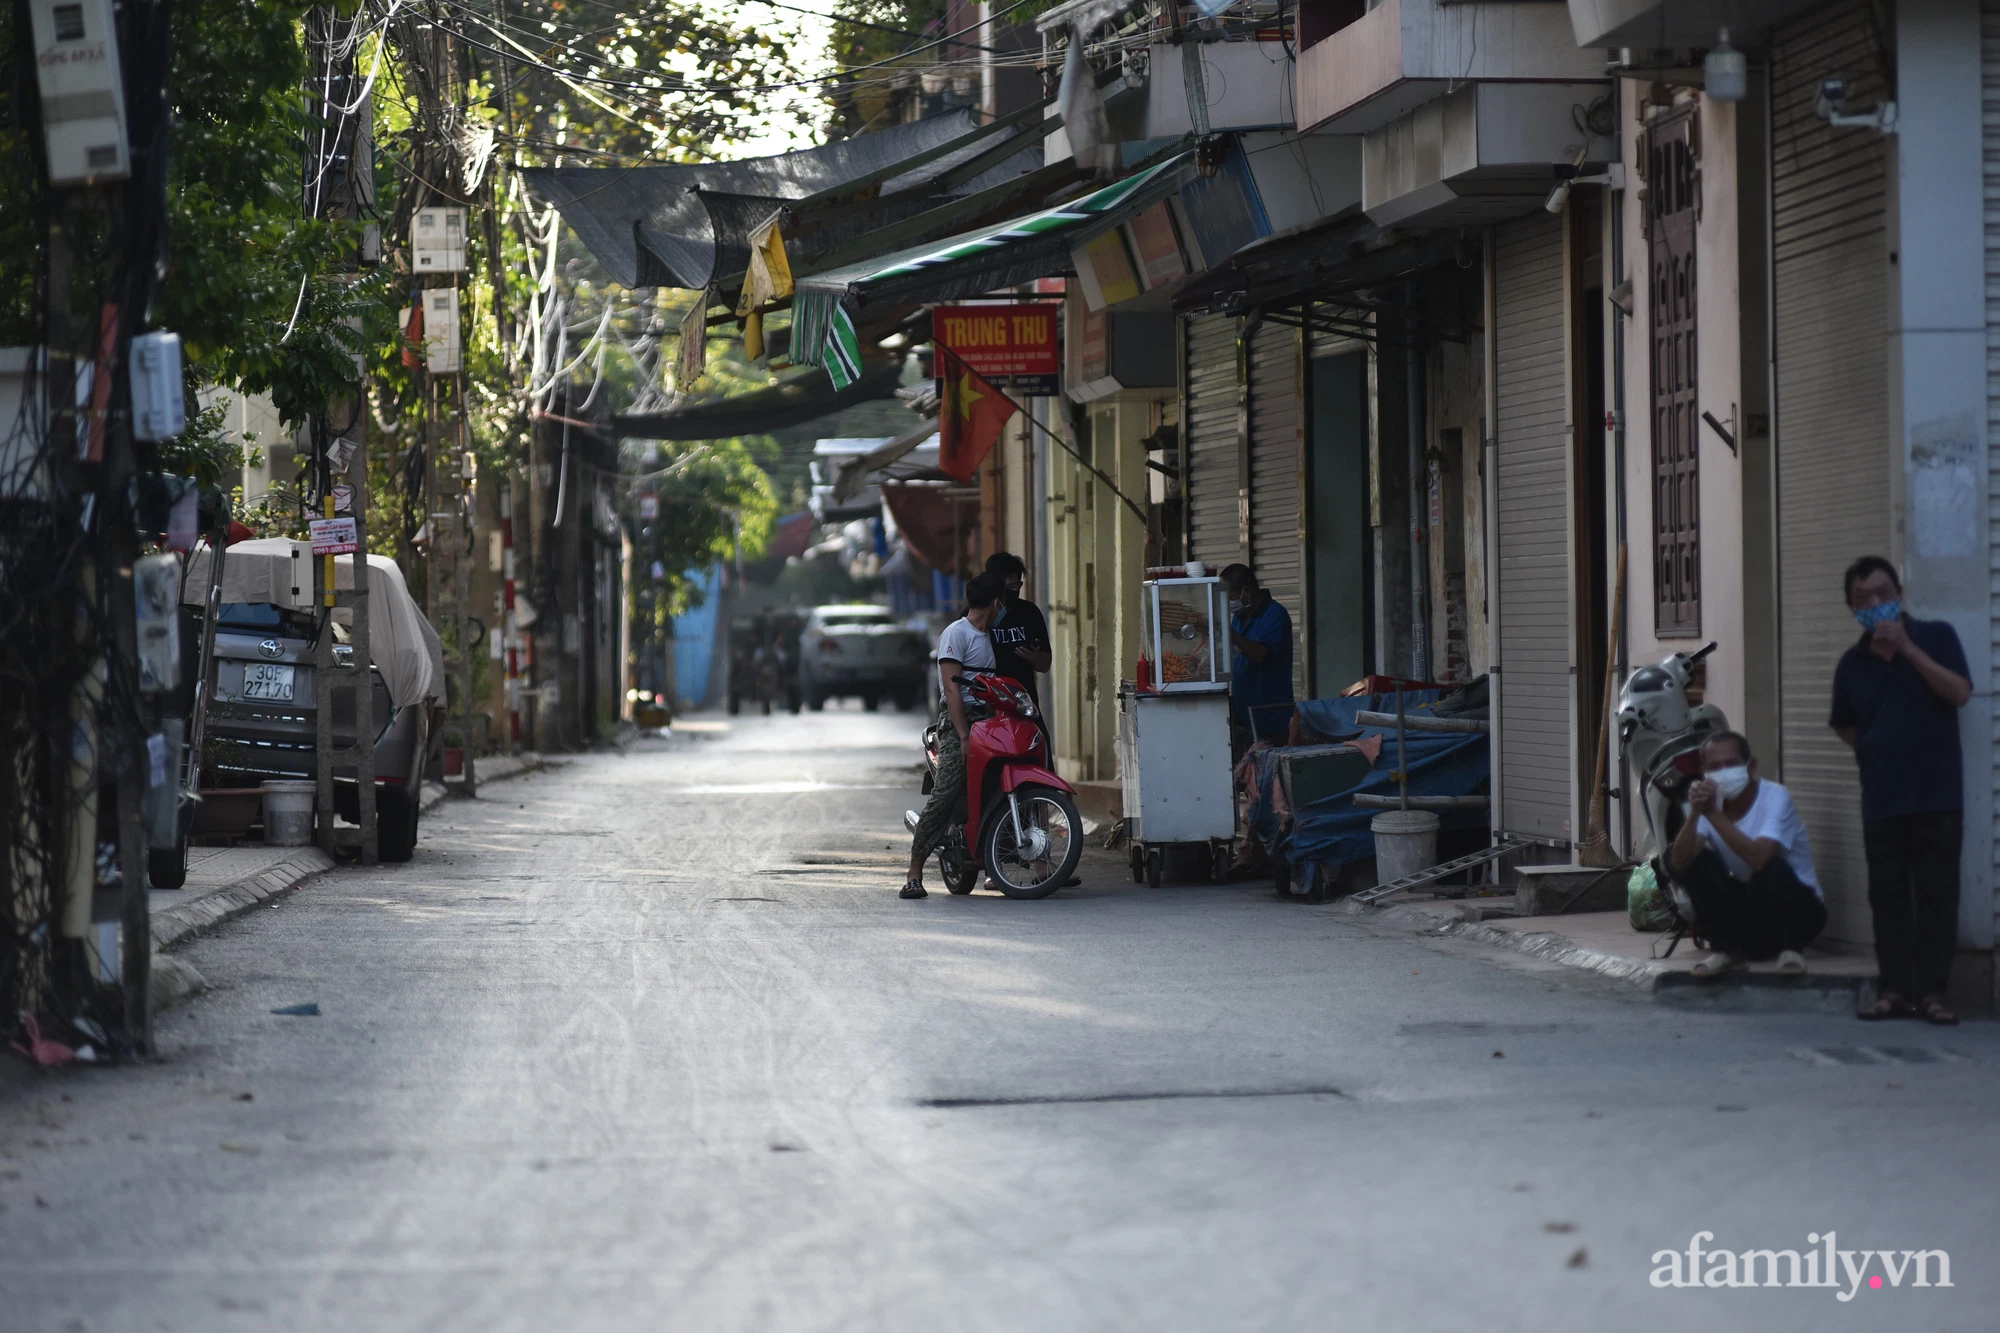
<point>1061,443</point>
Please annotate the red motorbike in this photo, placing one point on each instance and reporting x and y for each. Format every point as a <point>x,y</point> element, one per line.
<point>1015,810</point>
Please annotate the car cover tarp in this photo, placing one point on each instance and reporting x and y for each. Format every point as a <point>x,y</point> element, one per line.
<point>401,642</point>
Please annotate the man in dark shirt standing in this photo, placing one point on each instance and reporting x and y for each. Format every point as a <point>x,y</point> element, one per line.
<point>1896,696</point>
<point>1260,669</point>
<point>1020,632</point>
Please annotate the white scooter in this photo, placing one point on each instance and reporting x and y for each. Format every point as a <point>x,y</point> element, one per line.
<point>1663,734</point>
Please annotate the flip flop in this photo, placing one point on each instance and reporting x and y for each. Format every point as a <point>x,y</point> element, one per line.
<point>1888,1005</point>
<point>913,889</point>
<point>1937,1013</point>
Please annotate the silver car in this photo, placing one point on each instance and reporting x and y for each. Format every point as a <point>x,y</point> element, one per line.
<point>863,651</point>
<point>264,720</point>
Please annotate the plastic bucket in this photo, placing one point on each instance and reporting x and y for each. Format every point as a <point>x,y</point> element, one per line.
<point>1406,841</point>
<point>288,813</point>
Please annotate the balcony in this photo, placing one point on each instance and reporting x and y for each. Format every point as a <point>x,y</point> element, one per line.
<point>1648,24</point>
<point>1361,68</point>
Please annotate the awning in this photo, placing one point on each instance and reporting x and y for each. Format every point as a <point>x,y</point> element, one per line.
<point>799,399</point>
<point>651,226</point>
<point>932,518</point>
<point>1319,261</point>
<point>1004,255</point>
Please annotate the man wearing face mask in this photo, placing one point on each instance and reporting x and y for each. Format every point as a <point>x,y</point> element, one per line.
<point>1260,668</point>
<point>1896,696</point>
<point>1745,861</point>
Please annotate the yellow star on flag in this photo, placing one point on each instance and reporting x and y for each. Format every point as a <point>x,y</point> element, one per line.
<point>967,394</point>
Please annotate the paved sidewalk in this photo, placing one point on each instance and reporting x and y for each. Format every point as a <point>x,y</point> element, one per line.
<point>224,882</point>
<point>1604,942</point>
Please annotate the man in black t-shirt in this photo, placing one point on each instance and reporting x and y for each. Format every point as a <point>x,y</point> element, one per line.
<point>1896,696</point>
<point>1020,632</point>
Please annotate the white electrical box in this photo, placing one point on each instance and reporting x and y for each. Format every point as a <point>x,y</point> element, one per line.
<point>83,94</point>
<point>441,343</point>
<point>302,577</point>
<point>437,240</point>
<point>159,410</point>
<point>156,595</point>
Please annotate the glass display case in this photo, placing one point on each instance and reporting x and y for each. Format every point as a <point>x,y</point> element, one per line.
<point>1186,629</point>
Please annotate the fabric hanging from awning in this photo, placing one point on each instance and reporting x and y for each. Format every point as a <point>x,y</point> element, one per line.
<point>930,517</point>
<point>798,400</point>
<point>984,260</point>
<point>650,226</point>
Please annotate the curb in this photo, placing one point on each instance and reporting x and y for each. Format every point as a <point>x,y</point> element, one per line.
<point>171,925</point>
<point>436,793</point>
<point>1664,983</point>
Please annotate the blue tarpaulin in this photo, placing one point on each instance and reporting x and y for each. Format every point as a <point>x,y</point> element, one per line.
<point>1333,830</point>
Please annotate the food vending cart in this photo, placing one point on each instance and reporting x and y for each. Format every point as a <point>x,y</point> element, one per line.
<point>1173,732</point>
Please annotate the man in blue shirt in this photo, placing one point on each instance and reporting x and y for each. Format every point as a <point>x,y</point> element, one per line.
<point>1896,696</point>
<point>1260,670</point>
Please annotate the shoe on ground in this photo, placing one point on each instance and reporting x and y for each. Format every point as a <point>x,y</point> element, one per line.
<point>1791,963</point>
<point>914,890</point>
<point>1715,964</point>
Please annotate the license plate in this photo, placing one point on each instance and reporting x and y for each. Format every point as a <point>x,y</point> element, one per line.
<point>265,680</point>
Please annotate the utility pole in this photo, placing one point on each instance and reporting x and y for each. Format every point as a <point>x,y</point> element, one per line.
<point>339,184</point>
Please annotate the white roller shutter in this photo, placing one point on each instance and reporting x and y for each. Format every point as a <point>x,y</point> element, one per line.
<point>1532,520</point>
<point>1276,422</point>
<point>1829,210</point>
<point>1211,400</point>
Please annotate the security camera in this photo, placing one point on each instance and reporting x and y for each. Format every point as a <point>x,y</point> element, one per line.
<point>1832,99</point>
<point>1831,107</point>
<point>1558,197</point>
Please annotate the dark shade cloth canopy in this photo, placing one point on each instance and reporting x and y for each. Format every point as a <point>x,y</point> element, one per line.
<point>649,227</point>
<point>1334,255</point>
<point>927,516</point>
<point>799,399</point>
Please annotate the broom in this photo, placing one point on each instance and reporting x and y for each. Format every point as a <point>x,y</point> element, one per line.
<point>1596,849</point>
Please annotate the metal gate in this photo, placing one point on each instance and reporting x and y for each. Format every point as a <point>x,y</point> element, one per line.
<point>1276,420</point>
<point>1210,399</point>
<point>1532,523</point>
<point>1829,210</point>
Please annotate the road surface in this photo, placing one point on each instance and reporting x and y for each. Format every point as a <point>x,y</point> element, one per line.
<point>648,1042</point>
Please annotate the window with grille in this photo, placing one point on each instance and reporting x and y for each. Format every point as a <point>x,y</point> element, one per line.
<point>1673,205</point>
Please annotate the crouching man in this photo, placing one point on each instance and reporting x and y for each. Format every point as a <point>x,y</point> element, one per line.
<point>1745,861</point>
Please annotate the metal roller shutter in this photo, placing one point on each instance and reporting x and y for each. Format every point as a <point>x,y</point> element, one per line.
<point>1532,519</point>
<point>1989,63</point>
<point>1211,396</point>
<point>1276,421</point>
<point>1829,210</point>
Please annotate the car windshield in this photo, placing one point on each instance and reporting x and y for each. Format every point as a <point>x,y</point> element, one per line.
<point>836,619</point>
<point>264,618</point>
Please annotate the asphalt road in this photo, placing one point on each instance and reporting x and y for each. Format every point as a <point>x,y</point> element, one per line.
<point>648,1042</point>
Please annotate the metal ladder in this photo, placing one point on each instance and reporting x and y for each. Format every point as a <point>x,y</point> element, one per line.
<point>1438,872</point>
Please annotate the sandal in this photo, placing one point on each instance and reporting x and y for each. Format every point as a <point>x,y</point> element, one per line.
<point>1715,964</point>
<point>1887,1005</point>
<point>914,888</point>
<point>1937,1012</point>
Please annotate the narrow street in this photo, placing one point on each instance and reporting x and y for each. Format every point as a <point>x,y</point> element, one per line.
<point>647,1041</point>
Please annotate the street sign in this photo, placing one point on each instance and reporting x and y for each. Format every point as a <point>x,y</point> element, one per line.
<point>1012,345</point>
<point>649,506</point>
<point>334,536</point>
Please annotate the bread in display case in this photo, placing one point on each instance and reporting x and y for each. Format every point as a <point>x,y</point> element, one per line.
<point>1186,631</point>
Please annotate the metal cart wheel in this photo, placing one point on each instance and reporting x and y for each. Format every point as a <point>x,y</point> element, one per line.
<point>1218,861</point>
<point>1138,861</point>
<point>1156,858</point>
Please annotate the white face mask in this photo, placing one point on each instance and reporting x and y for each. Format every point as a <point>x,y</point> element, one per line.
<point>1730,782</point>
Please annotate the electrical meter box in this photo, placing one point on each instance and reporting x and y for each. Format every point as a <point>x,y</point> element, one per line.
<point>156,596</point>
<point>1185,623</point>
<point>159,409</point>
<point>441,344</point>
<point>437,240</point>
<point>83,94</point>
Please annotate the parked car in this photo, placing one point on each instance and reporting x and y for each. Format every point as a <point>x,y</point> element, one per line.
<point>861,651</point>
<point>263,719</point>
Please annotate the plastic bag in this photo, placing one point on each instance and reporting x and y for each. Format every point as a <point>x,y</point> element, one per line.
<point>1646,903</point>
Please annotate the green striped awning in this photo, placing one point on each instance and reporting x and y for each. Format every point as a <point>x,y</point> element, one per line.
<point>1036,246</point>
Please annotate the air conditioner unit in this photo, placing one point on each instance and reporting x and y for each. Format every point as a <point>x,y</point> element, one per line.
<point>83,96</point>
<point>437,240</point>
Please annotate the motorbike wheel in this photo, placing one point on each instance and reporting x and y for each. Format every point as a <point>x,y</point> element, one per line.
<point>735,703</point>
<point>871,702</point>
<point>1156,864</point>
<point>960,878</point>
<point>1138,860</point>
<point>767,705</point>
<point>1048,816</point>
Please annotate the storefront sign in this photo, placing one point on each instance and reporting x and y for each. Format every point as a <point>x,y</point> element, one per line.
<point>1011,345</point>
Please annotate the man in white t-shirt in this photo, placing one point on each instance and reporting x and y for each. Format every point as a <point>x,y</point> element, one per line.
<point>964,646</point>
<point>1745,862</point>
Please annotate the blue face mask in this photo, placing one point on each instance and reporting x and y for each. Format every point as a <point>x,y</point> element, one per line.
<point>1871,616</point>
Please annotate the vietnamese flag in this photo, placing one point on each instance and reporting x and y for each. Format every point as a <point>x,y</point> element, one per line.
<point>971,414</point>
